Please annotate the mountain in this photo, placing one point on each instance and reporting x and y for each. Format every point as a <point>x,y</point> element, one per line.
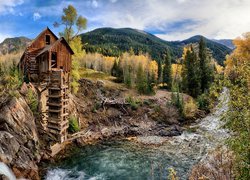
<point>219,51</point>
<point>225,42</point>
<point>10,45</point>
<point>112,42</point>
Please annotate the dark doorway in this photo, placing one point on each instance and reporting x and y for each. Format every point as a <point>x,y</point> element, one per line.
<point>53,60</point>
<point>47,39</point>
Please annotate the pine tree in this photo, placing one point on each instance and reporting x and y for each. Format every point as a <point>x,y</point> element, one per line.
<point>190,74</point>
<point>167,71</point>
<point>120,74</point>
<point>150,83</point>
<point>141,81</point>
<point>114,70</point>
<point>159,72</point>
<point>206,71</point>
<point>127,76</point>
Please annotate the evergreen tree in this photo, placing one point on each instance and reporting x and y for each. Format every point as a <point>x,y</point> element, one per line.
<point>167,71</point>
<point>114,70</point>
<point>191,80</point>
<point>206,70</point>
<point>141,81</point>
<point>127,76</point>
<point>150,83</point>
<point>159,72</point>
<point>120,74</point>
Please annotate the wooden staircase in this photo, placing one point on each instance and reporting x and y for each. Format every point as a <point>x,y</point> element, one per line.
<point>57,105</point>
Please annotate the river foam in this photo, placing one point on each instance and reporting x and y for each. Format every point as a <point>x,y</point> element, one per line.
<point>6,171</point>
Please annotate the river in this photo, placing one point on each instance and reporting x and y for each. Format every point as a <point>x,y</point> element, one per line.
<point>123,159</point>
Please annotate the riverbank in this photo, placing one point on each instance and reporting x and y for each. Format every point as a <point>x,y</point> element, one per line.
<point>151,155</point>
<point>146,120</point>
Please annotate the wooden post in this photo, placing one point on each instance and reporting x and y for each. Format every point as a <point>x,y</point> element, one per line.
<point>49,60</point>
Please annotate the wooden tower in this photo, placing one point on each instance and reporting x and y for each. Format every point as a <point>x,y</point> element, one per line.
<point>46,63</point>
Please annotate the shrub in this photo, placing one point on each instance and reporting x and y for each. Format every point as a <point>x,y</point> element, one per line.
<point>177,101</point>
<point>32,101</point>
<point>203,102</point>
<point>73,124</point>
<point>217,165</point>
<point>190,108</point>
<point>172,174</point>
<point>134,103</point>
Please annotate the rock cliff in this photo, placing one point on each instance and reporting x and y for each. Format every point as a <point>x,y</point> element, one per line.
<point>19,144</point>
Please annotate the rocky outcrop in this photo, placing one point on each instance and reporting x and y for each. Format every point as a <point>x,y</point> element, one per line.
<point>19,145</point>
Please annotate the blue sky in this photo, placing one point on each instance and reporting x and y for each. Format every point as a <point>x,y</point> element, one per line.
<point>167,19</point>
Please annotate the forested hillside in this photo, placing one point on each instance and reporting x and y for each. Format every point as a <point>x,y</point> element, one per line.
<point>225,42</point>
<point>219,51</point>
<point>113,42</point>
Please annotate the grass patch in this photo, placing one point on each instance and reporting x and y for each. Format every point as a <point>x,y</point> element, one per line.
<point>73,124</point>
<point>32,101</point>
<point>92,74</point>
<point>134,103</point>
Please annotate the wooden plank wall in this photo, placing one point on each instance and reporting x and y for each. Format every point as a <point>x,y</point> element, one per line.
<point>40,41</point>
<point>63,56</point>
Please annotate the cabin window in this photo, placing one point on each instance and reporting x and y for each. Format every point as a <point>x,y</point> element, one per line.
<point>53,60</point>
<point>47,39</point>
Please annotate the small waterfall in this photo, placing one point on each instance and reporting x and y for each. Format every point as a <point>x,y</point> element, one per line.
<point>6,171</point>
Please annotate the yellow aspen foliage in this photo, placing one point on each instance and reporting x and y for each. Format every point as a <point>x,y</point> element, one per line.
<point>176,71</point>
<point>153,69</point>
<point>185,49</point>
<point>108,63</point>
<point>238,63</point>
<point>219,69</point>
<point>238,116</point>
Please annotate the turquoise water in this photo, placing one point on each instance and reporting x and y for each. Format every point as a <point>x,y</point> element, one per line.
<point>127,160</point>
<point>119,160</point>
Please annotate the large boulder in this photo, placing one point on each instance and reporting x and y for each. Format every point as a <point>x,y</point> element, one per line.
<point>19,144</point>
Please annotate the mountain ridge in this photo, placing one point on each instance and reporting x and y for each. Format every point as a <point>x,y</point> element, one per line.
<point>113,42</point>
<point>225,42</point>
<point>15,44</point>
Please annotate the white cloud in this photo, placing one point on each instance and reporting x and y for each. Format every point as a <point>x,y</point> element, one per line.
<point>4,36</point>
<point>94,3</point>
<point>211,18</point>
<point>36,16</point>
<point>6,6</point>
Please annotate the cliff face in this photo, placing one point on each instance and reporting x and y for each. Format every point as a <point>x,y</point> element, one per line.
<point>19,145</point>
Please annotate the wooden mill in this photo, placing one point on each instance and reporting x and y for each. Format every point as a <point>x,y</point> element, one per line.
<point>46,63</point>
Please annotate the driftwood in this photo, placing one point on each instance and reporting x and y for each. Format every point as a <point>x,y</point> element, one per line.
<point>119,103</point>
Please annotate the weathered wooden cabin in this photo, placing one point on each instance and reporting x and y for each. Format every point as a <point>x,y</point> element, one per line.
<point>46,63</point>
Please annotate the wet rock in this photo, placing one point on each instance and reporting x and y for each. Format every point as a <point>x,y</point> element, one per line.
<point>151,140</point>
<point>174,130</point>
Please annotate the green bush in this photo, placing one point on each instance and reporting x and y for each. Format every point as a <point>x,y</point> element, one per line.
<point>207,100</point>
<point>32,101</point>
<point>134,103</point>
<point>73,124</point>
<point>177,101</point>
<point>203,102</point>
<point>189,108</point>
